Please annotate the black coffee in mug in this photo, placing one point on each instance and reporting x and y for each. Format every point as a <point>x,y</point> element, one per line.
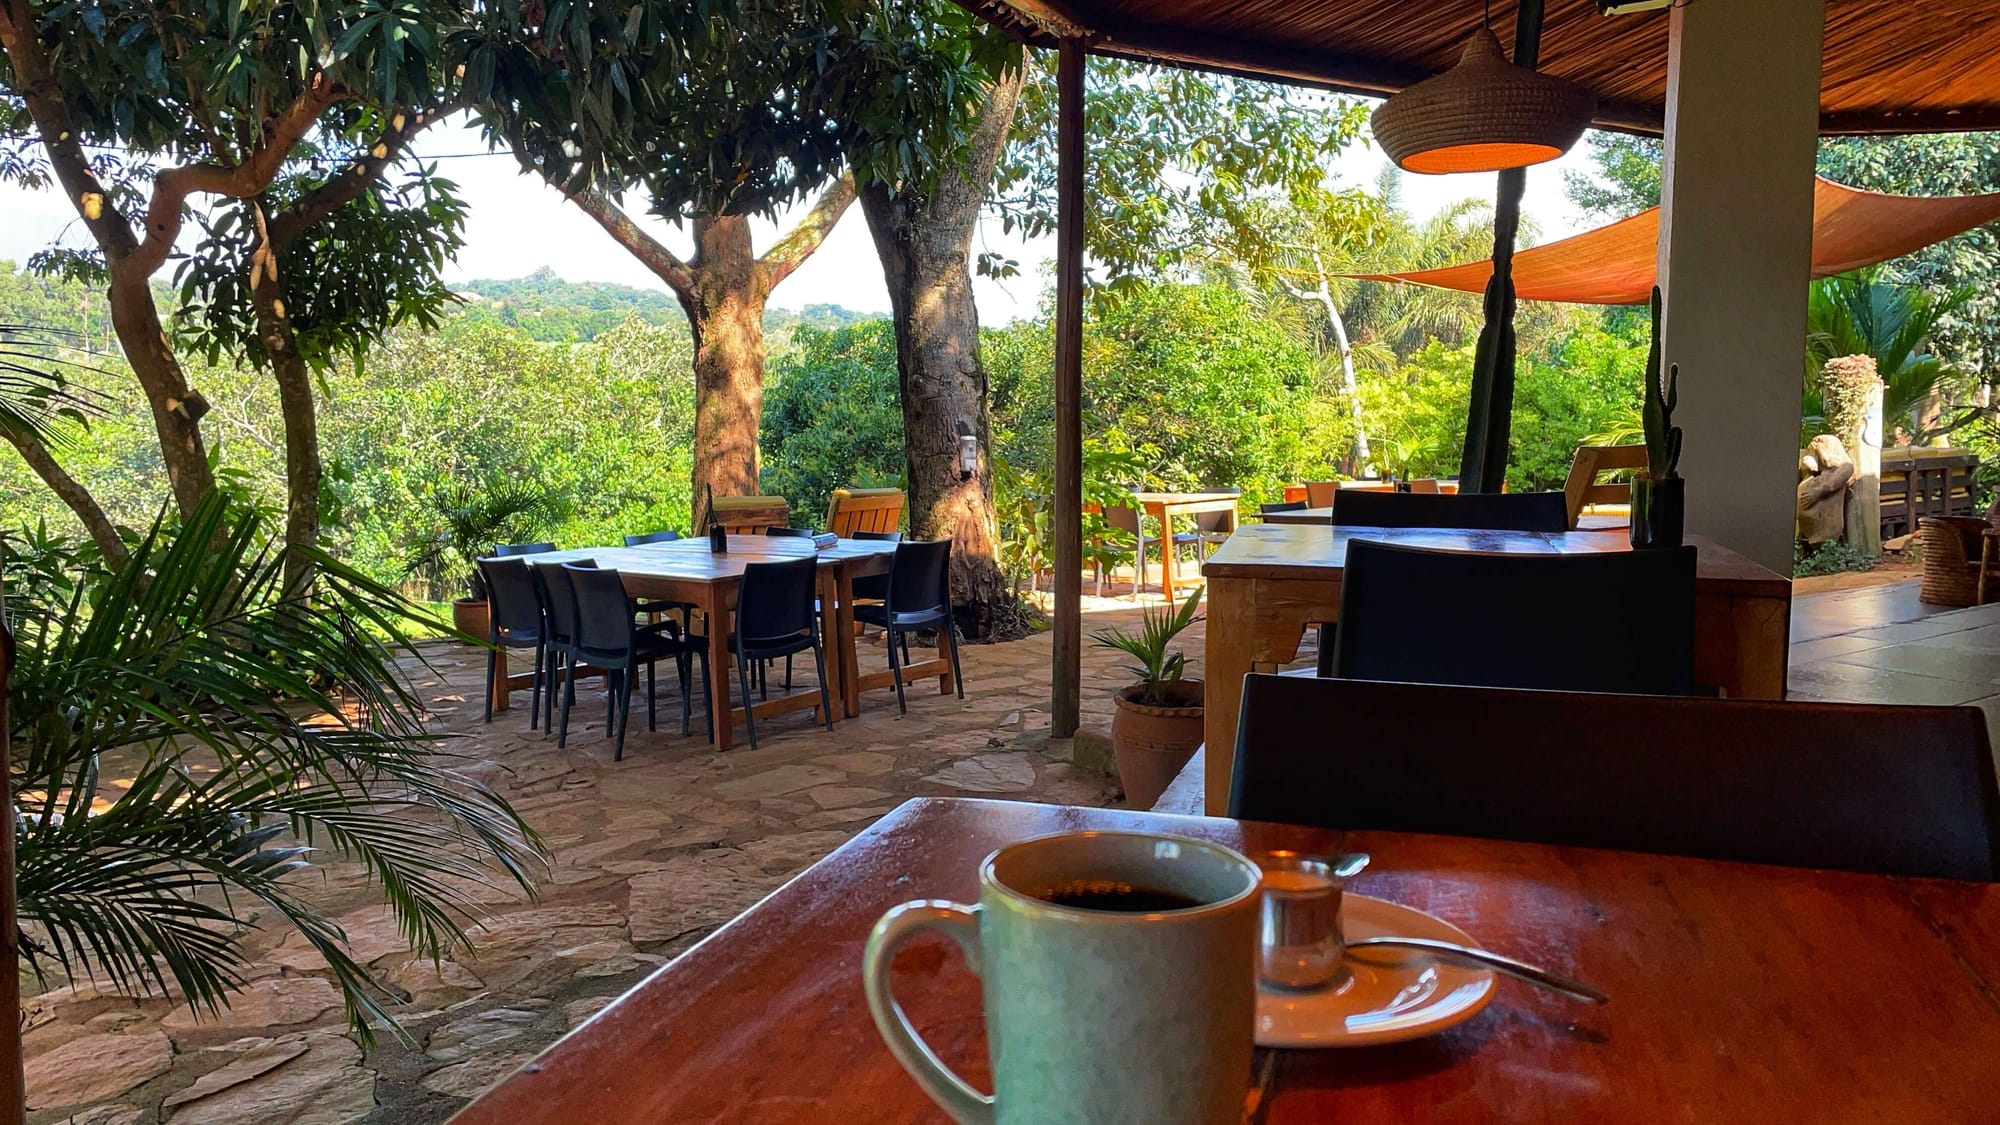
<point>1121,898</point>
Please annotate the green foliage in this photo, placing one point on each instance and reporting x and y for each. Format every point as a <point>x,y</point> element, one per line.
<point>1856,314</point>
<point>247,740</point>
<point>831,419</point>
<point>1157,669</point>
<point>1832,557</point>
<point>471,519</point>
<point>1627,179</point>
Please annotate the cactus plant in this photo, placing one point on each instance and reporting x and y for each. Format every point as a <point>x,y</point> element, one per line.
<point>1663,438</point>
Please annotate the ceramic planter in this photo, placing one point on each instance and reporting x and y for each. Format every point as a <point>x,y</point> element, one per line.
<point>1153,743</point>
<point>1659,507</point>
<point>472,615</point>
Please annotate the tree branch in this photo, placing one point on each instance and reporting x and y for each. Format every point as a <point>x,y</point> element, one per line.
<point>649,250</point>
<point>254,174</point>
<point>36,85</point>
<point>71,491</point>
<point>792,250</point>
<point>287,225</point>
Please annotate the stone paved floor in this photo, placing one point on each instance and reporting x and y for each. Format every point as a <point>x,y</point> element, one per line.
<point>653,852</point>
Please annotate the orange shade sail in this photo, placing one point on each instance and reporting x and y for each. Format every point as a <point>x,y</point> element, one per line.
<point>1616,264</point>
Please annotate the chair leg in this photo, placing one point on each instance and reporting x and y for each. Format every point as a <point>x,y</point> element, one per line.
<point>825,699</point>
<point>624,708</point>
<point>687,694</point>
<point>788,672</point>
<point>1324,666</point>
<point>896,670</point>
<point>906,651</point>
<point>534,715</point>
<point>707,692</point>
<point>749,717</point>
<point>652,696</point>
<point>492,657</point>
<point>957,677</point>
<point>568,698</point>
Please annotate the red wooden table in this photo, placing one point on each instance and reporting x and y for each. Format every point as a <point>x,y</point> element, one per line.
<point>1738,993</point>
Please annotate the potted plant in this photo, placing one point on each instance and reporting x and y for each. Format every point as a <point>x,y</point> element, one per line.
<point>471,520</point>
<point>1659,495</point>
<point>1158,723</point>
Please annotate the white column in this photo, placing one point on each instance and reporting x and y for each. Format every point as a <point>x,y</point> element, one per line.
<point>1735,255</point>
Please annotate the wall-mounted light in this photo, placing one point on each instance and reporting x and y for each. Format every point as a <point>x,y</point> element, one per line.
<point>968,452</point>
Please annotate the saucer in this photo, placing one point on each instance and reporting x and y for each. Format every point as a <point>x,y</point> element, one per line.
<point>1390,995</point>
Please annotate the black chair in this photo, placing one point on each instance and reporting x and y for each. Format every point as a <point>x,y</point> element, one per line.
<point>1618,621</point>
<point>508,550</point>
<point>608,638</point>
<point>1887,790</point>
<point>1286,506</point>
<point>790,532</point>
<point>516,621</point>
<point>874,587</point>
<point>777,615</point>
<point>1477,511</point>
<point>558,601</point>
<point>919,597</point>
<point>1131,521</point>
<point>643,538</point>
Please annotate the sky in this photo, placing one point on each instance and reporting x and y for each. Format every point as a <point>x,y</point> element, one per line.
<point>516,225</point>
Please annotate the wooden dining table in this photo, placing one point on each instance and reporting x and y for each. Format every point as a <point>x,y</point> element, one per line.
<point>1739,993</point>
<point>1271,580</point>
<point>686,570</point>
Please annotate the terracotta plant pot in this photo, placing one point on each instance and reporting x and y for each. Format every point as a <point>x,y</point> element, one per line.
<point>471,615</point>
<point>1153,743</point>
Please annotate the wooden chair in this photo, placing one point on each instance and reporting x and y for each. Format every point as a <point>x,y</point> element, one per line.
<point>1478,511</point>
<point>749,515</point>
<point>1582,489</point>
<point>1618,621</point>
<point>1319,493</point>
<point>864,509</point>
<point>1885,790</point>
<point>1428,485</point>
<point>1961,560</point>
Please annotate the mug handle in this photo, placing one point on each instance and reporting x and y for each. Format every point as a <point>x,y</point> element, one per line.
<point>961,923</point>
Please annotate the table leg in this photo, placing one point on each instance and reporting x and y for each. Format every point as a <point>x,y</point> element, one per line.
<point>845,640</point>
<point>1165,516</point>
<point>719,664</point>
<point>500,686</point>
<point>832,596</point>
<point>1227,656</point>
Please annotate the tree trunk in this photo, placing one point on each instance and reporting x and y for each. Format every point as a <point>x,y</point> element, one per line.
<point>924,242</point>
<point>295,405</point>
<point>725,308</point>
<point>71,492</point>
<point>177,409</point>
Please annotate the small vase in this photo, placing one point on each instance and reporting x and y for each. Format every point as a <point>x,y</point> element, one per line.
<point>1659,507</point>
<point>718,539</point>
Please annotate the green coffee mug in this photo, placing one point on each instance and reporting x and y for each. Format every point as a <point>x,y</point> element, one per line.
<point>1119,976</point>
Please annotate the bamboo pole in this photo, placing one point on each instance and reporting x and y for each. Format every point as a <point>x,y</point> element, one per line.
<point>1066,672</point>
<point>1489,419</point>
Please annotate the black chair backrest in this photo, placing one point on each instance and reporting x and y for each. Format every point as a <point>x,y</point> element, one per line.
<point>603,612</point>
<point>879,536</point>
<point>1618,621</point>
<point>515,608</point>
<point>1481,511</point>
<point>559,598</point>
<point>920,578</point>
<point>1215,521</point>
<point>1287,506</point>
<point>644,538</point>
<point>790,532</point>
<point>506,550</point>
<point>1895,790</point>
<point>774,600</point>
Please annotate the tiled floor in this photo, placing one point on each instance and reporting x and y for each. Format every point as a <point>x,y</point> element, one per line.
<point>1881,645</point>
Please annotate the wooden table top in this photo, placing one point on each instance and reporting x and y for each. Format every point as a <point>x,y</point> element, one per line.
<point>1276,550</point>
<point>1171,498</point>
<point>1739,993</point>
<point>690,559</point>
<point>1589,521</point>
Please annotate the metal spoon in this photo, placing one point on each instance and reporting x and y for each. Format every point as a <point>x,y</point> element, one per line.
<point>1495,961</point>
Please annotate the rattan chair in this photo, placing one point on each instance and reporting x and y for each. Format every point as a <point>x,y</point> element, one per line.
<point>1961,560</point>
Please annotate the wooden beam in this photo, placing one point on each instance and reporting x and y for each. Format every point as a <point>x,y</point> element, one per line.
<point>13,1081</point>
<point>1066,672</point>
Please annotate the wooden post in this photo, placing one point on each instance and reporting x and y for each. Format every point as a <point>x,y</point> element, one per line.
<point>13,1082</point>
<point>1489,418</point>
<point>1066,674</point>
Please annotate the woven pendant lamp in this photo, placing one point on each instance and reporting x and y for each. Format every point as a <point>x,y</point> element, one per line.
<point>1482,115</point>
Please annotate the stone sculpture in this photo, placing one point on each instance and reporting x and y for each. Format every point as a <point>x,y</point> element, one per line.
<point>1827,472</point>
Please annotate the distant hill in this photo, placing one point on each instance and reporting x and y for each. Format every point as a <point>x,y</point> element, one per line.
<point>551,309</point>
